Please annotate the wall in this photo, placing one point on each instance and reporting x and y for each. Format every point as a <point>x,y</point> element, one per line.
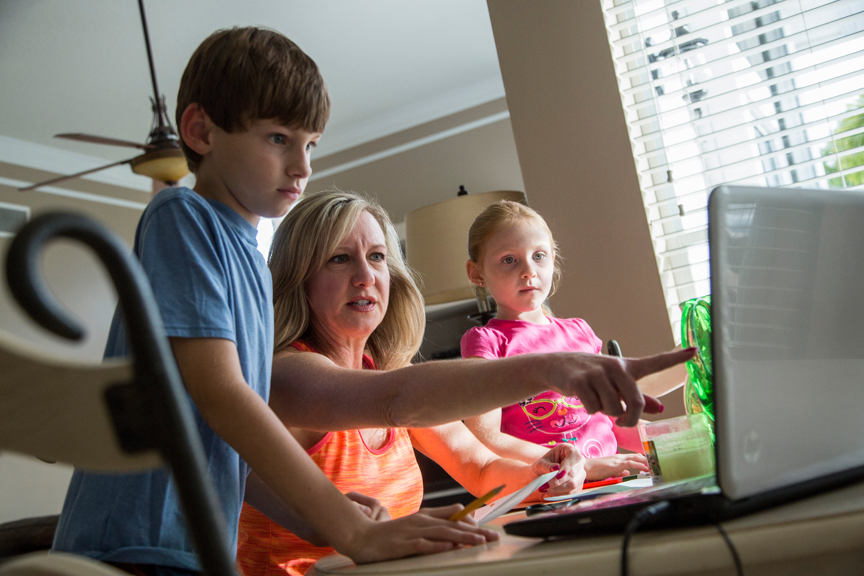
<point>29,487</point>
<point>578,168</point>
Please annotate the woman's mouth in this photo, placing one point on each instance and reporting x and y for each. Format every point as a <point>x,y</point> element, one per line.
<point>362,305</point>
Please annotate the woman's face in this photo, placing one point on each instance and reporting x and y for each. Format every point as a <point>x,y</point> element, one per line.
<point>348,296</point>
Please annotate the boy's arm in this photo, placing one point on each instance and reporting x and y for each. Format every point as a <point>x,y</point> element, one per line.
<point>479,470</point>
<point>211,371</point>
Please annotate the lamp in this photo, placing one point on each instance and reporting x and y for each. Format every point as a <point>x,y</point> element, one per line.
<point>436,243</point>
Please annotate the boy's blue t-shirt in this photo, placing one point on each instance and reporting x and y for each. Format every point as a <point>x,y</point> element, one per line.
<point>210,281</point>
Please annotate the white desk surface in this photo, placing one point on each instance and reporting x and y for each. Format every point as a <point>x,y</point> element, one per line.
<point>821,535</point>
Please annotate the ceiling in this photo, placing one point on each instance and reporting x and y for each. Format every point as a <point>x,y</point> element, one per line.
<point>81,66</point>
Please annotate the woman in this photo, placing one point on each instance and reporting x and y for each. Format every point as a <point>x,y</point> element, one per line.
<point>348,318</point>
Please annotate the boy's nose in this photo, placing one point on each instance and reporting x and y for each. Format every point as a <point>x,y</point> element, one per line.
<point>301,165</point>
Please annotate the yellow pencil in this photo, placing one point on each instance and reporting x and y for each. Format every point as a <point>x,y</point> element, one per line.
<point>476,504</point>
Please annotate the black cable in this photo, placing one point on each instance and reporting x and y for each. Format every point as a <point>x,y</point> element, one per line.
<point>739,569</point>
<point>645,516</point>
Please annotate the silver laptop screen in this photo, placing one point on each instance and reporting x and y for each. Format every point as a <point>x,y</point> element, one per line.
<point>787,270</point>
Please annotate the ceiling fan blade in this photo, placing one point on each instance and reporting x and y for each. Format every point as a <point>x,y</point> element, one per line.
<point>70,176</point>
<point>102,140</point>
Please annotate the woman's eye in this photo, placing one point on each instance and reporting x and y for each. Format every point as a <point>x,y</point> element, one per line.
<point>339,259</point>
<point>539,256</point>
<point>377,257</point>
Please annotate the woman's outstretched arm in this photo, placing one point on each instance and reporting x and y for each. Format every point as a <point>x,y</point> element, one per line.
<point>310,391</point>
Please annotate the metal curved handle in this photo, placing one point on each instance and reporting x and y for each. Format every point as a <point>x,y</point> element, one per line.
<point>157,379</point>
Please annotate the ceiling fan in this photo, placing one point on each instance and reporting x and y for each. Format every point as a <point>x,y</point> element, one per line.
<point>162,159</point>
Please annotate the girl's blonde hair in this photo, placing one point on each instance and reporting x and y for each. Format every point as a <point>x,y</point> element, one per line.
<point>495,217</point>
<point>306,239</point>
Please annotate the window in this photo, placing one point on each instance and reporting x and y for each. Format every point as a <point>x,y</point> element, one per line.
<point>747,92</point>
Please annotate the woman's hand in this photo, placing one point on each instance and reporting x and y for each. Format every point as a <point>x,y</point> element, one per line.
<point>602,383</point>
<point>369,506</point>
<point>566,458</point>
<point>615,465</point>
<point>423,532</point>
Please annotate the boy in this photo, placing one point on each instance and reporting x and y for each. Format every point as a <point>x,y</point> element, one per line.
<point>251,107</point>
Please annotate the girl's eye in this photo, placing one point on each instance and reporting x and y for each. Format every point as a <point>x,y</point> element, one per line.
<point>508,260</point>
<point>339,259</point>
<point>539,256</point>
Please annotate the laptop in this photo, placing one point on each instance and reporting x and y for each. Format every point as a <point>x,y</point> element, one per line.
<point>787,279</point>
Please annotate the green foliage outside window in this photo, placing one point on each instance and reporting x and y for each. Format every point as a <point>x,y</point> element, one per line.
<point>852,161</point>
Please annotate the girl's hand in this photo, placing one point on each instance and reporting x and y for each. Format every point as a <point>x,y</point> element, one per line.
<point>566,458</point>
<point>615,465</point>
<point>423,532</point>
<point>370,506</point>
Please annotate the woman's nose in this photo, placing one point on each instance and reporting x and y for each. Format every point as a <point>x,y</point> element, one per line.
<point>363,275</point>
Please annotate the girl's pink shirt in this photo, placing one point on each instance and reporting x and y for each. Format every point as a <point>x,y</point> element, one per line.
<point>548,418</point>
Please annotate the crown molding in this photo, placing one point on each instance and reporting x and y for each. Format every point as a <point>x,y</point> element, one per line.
<point>58,161</point>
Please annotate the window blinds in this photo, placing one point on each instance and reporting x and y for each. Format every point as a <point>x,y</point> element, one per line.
<point>747,92</point>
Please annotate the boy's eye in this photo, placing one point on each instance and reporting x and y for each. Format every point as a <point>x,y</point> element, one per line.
<point>311,145</point>
<point>539,256</point>
<point>339,259</point>
<point>277,138</point>
<point>508,260</point>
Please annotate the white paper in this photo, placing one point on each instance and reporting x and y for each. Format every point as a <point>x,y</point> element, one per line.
<point>507,503</point>
<point>635,483</point>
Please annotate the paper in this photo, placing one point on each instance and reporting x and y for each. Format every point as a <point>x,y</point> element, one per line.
<point>507,503</point>
<point>610,489</point>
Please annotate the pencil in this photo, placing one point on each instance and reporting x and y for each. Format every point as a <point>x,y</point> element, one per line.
<point>476,504</point>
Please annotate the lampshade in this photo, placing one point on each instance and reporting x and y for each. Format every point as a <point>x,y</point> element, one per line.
<point>436,243</point>
<point>165,165</point>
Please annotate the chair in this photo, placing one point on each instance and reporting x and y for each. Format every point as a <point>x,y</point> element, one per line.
<point>122,415</point>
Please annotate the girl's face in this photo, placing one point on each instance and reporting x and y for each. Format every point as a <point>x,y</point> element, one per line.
<point>516,266</point>
<point>348,297</point>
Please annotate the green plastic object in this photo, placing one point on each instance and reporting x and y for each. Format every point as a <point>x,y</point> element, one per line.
<point>696,332</point>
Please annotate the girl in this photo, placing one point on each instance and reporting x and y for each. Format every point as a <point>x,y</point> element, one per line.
<point>513,259</point>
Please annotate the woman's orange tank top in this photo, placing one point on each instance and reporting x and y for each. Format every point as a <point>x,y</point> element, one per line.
<point>389,474</point>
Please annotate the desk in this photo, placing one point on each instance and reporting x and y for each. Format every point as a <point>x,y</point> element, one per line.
<point>822,535</point>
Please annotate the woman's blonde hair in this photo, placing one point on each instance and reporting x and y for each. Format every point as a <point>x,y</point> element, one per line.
<point>306,239</point>
<point>495,217</point>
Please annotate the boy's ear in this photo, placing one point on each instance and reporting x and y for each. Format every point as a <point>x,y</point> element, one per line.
<point>474,274</point>
<point>195,128</point>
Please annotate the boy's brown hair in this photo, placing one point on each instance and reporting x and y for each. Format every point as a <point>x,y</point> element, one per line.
<point>242,74</point>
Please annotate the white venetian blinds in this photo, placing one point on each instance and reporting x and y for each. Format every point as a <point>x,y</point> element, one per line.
<point>755,92</point>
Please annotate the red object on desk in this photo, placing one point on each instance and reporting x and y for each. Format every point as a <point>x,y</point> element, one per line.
<point>599,483</point>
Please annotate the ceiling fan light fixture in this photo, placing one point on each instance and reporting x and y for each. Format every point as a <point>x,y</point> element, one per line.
<point>166,165</point>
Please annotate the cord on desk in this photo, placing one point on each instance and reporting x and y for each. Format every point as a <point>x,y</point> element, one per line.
<point>656,511</point>
<point>739,569</point>
<point>645,516</point>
